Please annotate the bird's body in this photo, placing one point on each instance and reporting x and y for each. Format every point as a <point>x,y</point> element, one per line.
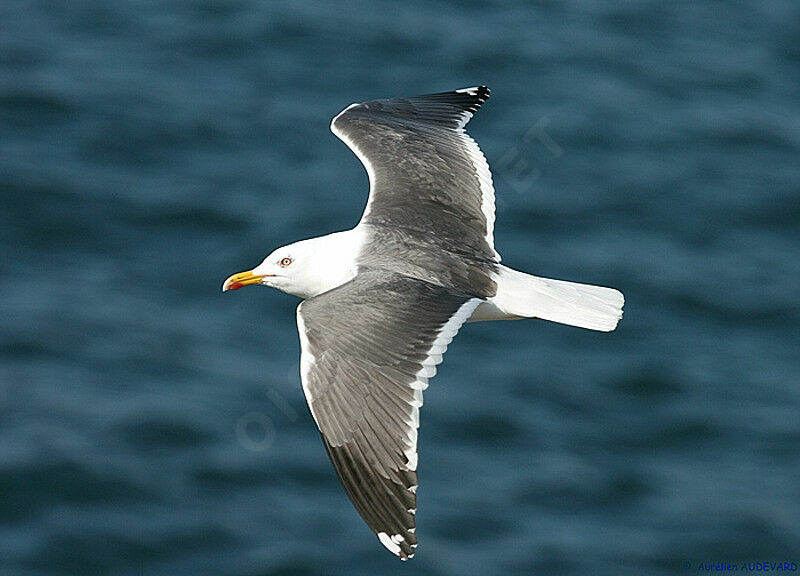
<point>383,300</point>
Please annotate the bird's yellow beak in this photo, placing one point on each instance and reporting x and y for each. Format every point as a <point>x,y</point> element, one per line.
<point>241,279</point>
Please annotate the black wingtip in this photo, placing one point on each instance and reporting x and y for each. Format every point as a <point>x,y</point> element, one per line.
<point>451,109</point>
<point>483,92</point>
<point>479,94</point>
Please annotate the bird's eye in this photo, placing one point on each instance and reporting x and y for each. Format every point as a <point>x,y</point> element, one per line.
<point>285,262</point>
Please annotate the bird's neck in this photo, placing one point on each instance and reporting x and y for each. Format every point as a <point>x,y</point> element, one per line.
<point>333,261</point>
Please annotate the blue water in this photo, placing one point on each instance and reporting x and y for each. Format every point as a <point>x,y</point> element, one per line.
<point>150,424</point>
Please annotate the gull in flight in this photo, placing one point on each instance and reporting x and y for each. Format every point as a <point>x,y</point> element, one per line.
<point>382,301</point>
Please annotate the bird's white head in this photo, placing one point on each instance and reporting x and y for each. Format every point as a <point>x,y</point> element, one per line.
<point>305,268</point>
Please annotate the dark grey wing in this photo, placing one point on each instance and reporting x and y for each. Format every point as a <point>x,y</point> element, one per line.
<point>427,176</point>
<point>368,350</point>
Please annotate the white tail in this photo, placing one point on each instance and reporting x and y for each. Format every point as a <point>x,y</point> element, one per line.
<point>521,295</point>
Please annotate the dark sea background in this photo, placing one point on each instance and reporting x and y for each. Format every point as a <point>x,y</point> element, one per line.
<point>150,424</point>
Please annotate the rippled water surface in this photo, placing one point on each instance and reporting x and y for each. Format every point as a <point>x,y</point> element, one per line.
<point>150,424</point>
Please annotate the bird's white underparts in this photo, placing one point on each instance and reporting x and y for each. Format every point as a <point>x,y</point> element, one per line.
<point>382,301</point>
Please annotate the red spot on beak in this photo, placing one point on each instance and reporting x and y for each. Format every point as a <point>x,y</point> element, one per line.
<point>235,286</point>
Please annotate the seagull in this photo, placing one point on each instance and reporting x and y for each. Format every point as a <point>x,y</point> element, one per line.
<point>382,301</point>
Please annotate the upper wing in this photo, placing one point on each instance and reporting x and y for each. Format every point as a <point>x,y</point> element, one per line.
<point>368,350</point>
<point>426,174</point>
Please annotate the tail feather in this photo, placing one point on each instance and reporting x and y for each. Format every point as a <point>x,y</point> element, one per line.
<point>527,296</point>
